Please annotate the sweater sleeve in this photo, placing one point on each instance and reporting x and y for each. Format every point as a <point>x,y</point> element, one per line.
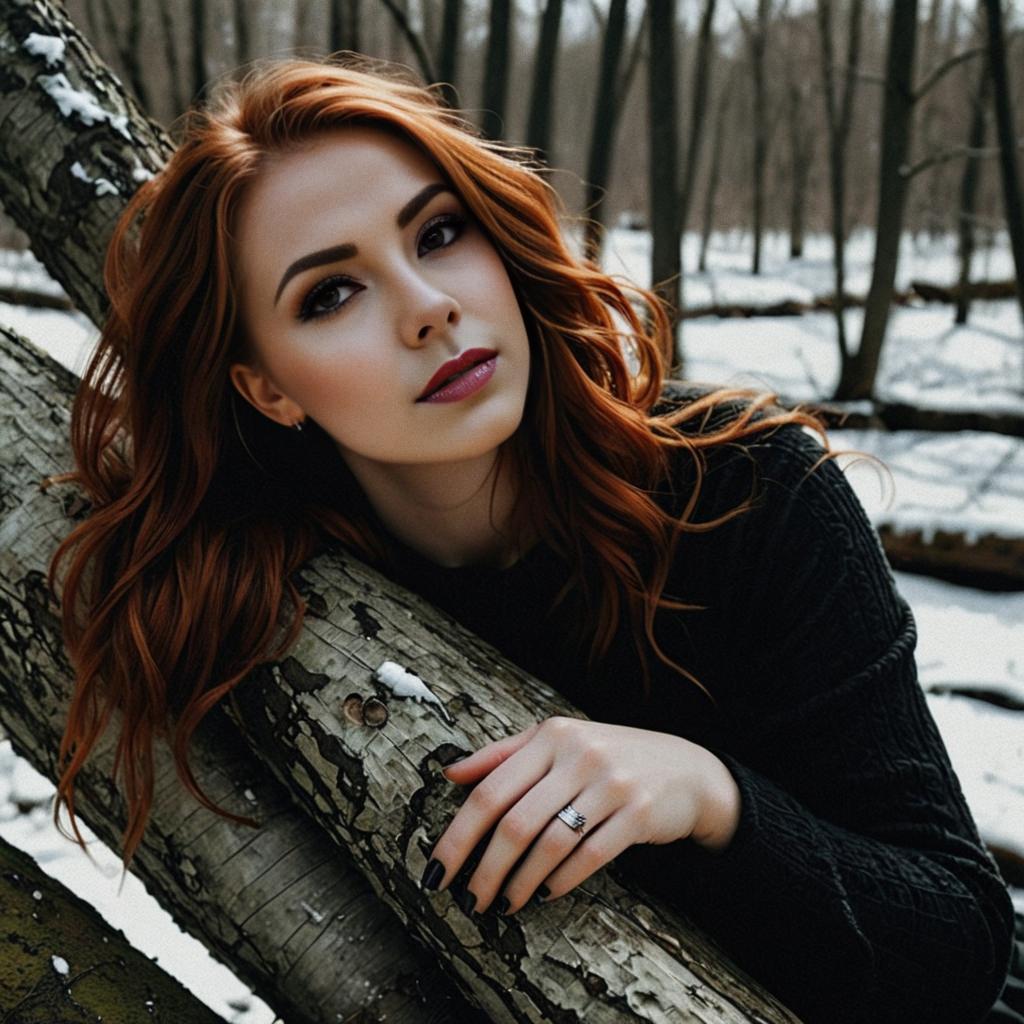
<point>856,887</point>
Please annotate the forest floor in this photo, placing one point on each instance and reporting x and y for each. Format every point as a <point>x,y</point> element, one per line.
<point>971,642</point>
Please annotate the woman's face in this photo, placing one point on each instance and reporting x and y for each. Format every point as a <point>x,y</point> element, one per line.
<point>362,275</point>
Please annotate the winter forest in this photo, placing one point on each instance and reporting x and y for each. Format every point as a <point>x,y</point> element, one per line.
<point>827,196</point>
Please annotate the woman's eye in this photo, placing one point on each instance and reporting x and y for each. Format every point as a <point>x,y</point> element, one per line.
<point>441,232</point>
<point>326,298</point>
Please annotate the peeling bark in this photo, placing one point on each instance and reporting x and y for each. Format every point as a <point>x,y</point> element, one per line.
<point>60,961</point>
<point>75,147</point>
<point>279,904</point>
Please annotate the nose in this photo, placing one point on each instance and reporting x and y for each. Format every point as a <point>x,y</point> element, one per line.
<point>429,312</point>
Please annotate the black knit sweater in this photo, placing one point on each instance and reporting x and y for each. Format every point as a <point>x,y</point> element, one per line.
<point>856,887</point>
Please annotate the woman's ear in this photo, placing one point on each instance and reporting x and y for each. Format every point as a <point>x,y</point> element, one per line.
<point>259,390</point>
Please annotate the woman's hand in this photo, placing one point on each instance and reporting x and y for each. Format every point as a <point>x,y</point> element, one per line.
<point>633,786</point>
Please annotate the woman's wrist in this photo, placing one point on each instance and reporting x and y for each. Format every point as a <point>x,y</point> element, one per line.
<point>720,807</point>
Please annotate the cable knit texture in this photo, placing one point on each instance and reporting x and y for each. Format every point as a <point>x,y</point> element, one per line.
<point>856,887</point>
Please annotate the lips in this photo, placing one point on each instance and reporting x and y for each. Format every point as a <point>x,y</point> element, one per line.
<point>454,367</point>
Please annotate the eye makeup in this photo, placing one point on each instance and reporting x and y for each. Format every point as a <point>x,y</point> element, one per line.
<point>323,289</point>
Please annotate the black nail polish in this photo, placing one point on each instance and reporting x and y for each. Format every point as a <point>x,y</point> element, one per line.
<point>542,893</point>
<point>453,759</point>
<point>501,904</point>
<point>432,874</point>
<point>467,901</point>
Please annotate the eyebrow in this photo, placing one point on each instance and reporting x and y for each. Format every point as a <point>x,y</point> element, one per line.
<point>347,250</point>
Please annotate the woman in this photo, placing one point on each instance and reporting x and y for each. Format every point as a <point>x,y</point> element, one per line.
<point>340,317</point>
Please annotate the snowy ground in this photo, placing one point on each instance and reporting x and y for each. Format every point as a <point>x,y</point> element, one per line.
<point>972,482</point>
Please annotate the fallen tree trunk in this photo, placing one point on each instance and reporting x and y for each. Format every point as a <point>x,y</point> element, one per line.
<point>60,961</point>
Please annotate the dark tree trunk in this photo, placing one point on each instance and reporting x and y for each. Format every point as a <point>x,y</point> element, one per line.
<point>857,377</point>
<point>714,173</point>
<point>757,43</point>
<point>496,68</point>
<point>662,121</point>
<point>838,118</point>
<point>542,96</point>
<point>801,158</point>
<point>401,27</point>
<point>603,128</point>
<point>174,70</point>
<point>1007,134</point>
<point>197,12</point>
<point>60,961</point>
<point>133,54</point>
<point>448,55</point>
<point>243,37</point>
<point>969,187</point>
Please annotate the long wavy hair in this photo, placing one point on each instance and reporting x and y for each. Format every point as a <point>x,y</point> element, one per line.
<point>179,581</point>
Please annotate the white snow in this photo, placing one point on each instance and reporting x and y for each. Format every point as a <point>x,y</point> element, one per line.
<point>60,965</point>
<point>81,104</point>
<point>104,187</point>
<point>50,48</point>
<point>405,684</point>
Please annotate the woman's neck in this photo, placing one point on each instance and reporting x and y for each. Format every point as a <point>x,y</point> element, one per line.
<point>454,514</point>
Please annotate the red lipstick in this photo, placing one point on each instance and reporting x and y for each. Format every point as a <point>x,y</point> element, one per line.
<point>441,387</point>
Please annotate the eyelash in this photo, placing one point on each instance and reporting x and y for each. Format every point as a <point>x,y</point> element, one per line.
<point>308,311</point>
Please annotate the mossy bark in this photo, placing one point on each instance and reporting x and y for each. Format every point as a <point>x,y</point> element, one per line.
<point>61,963</point>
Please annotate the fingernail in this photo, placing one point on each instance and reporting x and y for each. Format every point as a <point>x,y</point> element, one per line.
<point>501,904</point>
<point>467,901</point>
<point>432,874</point>
<point>453,759</point>
<point>542,893</point>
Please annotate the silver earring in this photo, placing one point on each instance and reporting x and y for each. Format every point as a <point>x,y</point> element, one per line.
<point>297,425</point>
<point>238,431</point>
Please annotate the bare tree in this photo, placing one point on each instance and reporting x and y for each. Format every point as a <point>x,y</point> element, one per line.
<point>496,68</point>
<point>858,371</point>
<point>969,185</point>
<point>197,13</point>
<point>243,36</point>
<point>756,32</point>
<point>174,70</point>
<point>838,119</point>
<point>715,169</point>
<point>450,47</point>
<point>542,96</point>
<point>603,126</point>
<point>1007,134</point>
<point>666,269</point>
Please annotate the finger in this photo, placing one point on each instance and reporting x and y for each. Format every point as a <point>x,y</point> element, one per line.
<point>488,757</point>
<point>589,854</point>
<point>484,806</point>
<point>517,832</point>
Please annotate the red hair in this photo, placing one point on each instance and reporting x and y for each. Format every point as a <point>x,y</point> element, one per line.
<point>179,581</point>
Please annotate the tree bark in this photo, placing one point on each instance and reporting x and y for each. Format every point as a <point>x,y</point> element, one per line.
<point>74,148</point>
<point>60,961</point>
<point>969,185</point>
<point>857,376</point>
<point>603,949</point>
<point>243,37</point>
<point>197,14</point>
<point>279,904</point>
<point>450,47</point>
<point>663,127</point>
<point>714,173</point>
<point>1007,134</point>
<point>838,118</point>
<point>757,45</point>
<point>174,70</point>
<point>496,68</point>
<point>542,96</point>
<point>603,128</point>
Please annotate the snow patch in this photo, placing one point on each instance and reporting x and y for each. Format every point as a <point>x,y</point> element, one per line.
<point>78,103</point>
<point>405,684</point>
<point>51,48</point>
<point>60,965</point>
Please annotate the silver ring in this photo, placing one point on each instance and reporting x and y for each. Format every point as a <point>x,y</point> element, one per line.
<point>572,818</point>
